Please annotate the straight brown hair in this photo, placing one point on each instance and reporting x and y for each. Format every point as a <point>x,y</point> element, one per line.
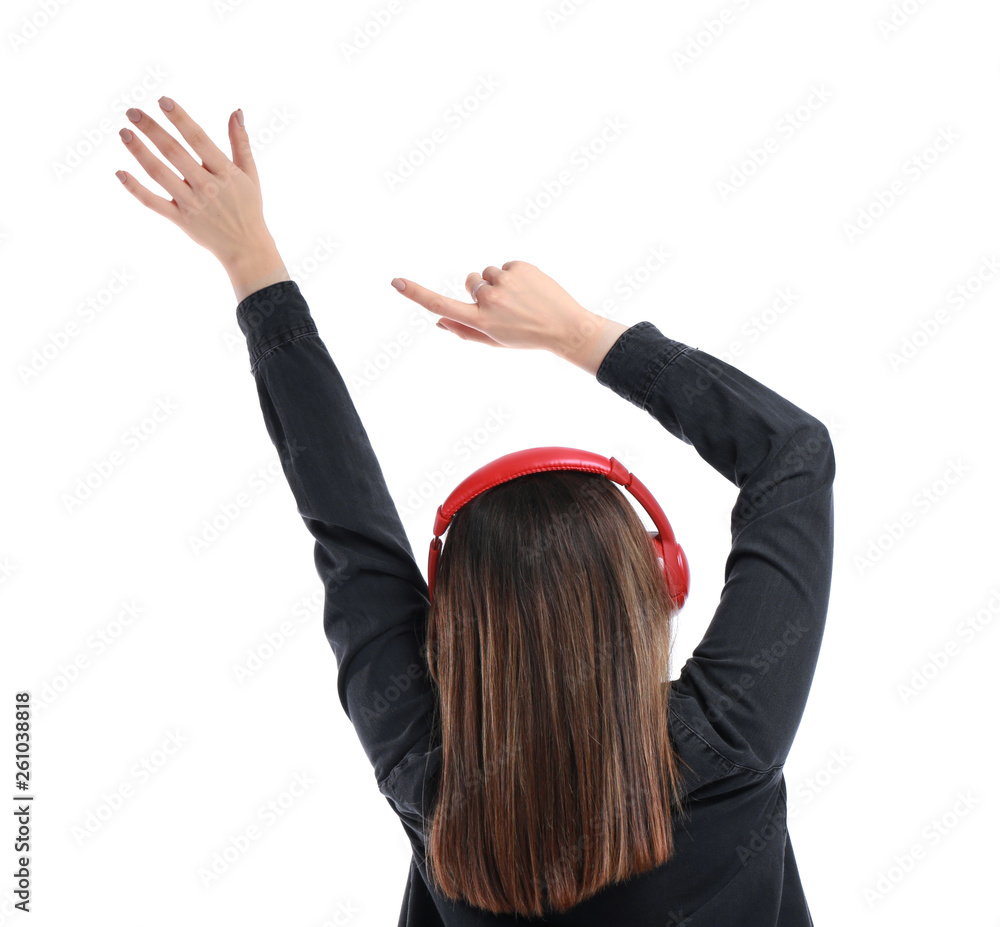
<point>548,644</point>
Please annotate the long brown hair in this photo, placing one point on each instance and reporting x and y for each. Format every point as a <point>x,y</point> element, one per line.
<point>548,644</point>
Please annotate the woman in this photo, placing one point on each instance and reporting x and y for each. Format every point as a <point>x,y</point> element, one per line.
<point>523,725</point>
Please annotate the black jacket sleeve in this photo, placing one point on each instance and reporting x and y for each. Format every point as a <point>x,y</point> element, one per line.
<point>375,595</point>
<point>750,675</point>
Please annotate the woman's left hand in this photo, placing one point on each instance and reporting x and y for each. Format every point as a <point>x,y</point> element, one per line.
<point>217,203</point>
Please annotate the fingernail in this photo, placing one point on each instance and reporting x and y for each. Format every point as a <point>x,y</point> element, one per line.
<point>166,104</point>
<point>399,284</point>
<point>133,114</point>
<point>440,324</point>
<point>239,116</point>
<point>121,176</point>
<point>126,135</point>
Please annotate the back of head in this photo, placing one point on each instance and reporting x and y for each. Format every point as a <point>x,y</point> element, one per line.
<point>548,643</point>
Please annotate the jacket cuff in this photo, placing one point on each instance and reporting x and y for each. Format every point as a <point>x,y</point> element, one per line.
<point>273,315</point>
<point>635,361</point>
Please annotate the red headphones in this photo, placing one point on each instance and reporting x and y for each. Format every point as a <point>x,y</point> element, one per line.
<point>537,459</point>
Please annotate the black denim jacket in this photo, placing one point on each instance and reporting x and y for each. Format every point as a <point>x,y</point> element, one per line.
<point>737,703</point>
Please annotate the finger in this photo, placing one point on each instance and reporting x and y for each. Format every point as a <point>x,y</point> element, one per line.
<point>153,166</point>
<point>158,204</point>
<point>239,138</point>
<point>211,155</point>
<point>438,304</point>
<point>171,149</point>
<point>489,277</point>
<point>467,333</point>
<point>473,283</point>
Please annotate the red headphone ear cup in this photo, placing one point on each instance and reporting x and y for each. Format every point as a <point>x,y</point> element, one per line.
<point>675,569</point>
<point>658,549</point>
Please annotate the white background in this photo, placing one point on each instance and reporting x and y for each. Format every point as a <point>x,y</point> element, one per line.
<point>873,769</point>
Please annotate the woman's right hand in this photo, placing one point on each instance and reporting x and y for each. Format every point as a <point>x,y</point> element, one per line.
<point>518,306</point>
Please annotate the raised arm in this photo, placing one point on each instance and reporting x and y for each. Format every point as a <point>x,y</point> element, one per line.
<point>745,686</point>
<point>376,597</point>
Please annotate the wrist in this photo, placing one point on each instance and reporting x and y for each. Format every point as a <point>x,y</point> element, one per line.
<point>588,341</point>
<point>254,268</point>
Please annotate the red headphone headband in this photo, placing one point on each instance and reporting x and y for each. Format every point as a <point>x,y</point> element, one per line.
<point>538,459</point>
